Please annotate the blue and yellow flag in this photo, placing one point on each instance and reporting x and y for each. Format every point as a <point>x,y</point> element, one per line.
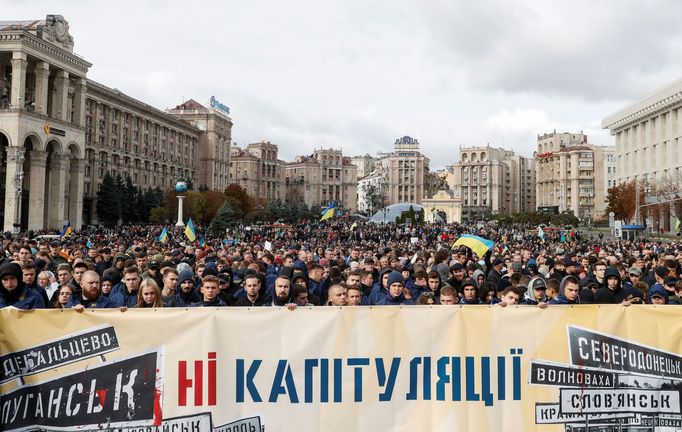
<point>329,211</point>
<point>202,241</point>
<point>66,231</point>
<point>477,244</point>
<point>189,231</point>
<point>164,235</point>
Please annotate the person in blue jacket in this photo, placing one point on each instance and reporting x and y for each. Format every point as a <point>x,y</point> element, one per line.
<point>380,289</point>
<point>396,284</point>
<point>13,291</point>
<point>185,294</point>
<point>128,295</point>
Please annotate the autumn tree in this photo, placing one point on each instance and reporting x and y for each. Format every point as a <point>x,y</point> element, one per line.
<point>622,201</point>
<point>239,200</point>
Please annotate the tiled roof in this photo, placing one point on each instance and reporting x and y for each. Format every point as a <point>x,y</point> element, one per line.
<point>190,105</point>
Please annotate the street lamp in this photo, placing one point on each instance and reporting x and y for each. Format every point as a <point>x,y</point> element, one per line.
<point>18,183</point>
<point>385,210</point>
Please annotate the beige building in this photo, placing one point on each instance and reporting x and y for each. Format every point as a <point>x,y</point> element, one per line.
<point>443,207</point>
<point>571,175</point>
<point>128,137</point>
<point>258,170</point>
<point>321,178</point>
<point>366,164</point>
<point>405,171</point>
<point>648,142</point>
<point>42,121</point>
<point>491,180</point>
<point>214,142</point>
<point>60,133</point>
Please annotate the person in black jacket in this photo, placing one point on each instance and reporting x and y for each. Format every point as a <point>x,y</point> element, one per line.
<point>614,292</point>
<point>210,288</point>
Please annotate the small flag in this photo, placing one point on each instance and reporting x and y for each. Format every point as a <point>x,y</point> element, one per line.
<point>202,241</point>
<point>164,235</point>
<point>189,231</point>
<point>355,225</point>
<point>541,233</point>
<point>66,231</point>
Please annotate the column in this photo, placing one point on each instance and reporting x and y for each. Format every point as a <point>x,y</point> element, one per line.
<point>79,107</point>
<point>76,193</point>
<point>19,64</point>
<point>42,79</point>
<point>13,179</point>
<point>61,95</point>
<point>36,204</point>
<point>55,212</point>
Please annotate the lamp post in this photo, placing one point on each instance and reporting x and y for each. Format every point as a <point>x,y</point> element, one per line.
<point>385,210</point>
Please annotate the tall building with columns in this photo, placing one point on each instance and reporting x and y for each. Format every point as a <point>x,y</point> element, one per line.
<point>257,169</point>
<point>648,140</point>
<point>60,133</point>
<point>42,121</point>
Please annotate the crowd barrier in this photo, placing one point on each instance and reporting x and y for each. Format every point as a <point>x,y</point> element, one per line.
<point>414,368</point>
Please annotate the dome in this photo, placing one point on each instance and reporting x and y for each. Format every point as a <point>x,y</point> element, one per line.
<point>394,211</point>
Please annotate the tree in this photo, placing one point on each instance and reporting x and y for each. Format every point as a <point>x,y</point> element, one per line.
<point>158,215</point>
<point>195,202</point>
<point>108,202</point>
<point>214,201</point>
<point>222,221</point>
<point>622,201</point>
<point>239,200</point>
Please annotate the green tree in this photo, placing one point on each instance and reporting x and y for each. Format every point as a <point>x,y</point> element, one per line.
<point>222,221</point>
<point>239,200</point>
<point>108,202</point>
<point>158,215</point>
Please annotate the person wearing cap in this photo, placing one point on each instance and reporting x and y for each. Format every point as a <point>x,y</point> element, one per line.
<point>13,291</point>
<point>396,284</point>
<point>536,293</point>
<point>495,273</point>
<point>55,258</point>
<point>569,289</point>
<point>658,295</point>
<point>634,276</point>
<point>470,293</point>
<point>153,272</point>
<point>106,262</point>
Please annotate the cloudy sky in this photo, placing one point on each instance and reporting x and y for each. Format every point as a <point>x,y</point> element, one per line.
<point>357,74</point>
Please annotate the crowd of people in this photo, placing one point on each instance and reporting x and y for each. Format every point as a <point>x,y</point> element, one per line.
<point>335,263</point>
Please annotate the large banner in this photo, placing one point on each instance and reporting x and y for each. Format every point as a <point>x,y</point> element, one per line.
<point>414,368</point>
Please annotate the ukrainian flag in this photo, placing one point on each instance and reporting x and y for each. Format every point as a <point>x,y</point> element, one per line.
<point>164,235</point>
<point>329,211</point>
<point>190,232</point>
<point>66,231</point>
<point>477,244</point>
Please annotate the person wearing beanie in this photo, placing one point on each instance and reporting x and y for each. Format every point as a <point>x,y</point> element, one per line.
<point>569,289</point>
<point>396,284</point>
<point>185,294</point>
<point>13,291</point>
<point>470,293</point>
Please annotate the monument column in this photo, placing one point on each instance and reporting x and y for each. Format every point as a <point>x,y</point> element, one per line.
<point>76,193</point>
<point>19,64</point>
<point>55,211</point>
<point>36,200</point>
<point>42,79</point>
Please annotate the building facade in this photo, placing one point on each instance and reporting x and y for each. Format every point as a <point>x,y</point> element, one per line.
<point>42,121</point>
<point>647,138</point>
<point>126,137</point>
<point>321,178</point>
<point>571,175</point>
<point>61,133</point>
<point>257,169</point>
<point>491,180</point>
<point>366,164</point>
<point>214,142</point>
<point>405,171</point>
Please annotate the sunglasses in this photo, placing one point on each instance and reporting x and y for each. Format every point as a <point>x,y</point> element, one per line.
<point>428,294</point>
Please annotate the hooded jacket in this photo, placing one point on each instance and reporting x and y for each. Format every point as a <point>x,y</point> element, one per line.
<point>604,295</point>
<point>477,300</point>
<point>561,298</point>
<point>529,296</point>
<point>378,291</point>
<point>21,297</point>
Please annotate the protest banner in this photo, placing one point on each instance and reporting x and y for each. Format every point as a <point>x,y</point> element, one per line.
<point>352,369</point>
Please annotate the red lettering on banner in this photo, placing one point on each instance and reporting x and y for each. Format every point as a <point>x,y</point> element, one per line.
<point>197,383</point>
